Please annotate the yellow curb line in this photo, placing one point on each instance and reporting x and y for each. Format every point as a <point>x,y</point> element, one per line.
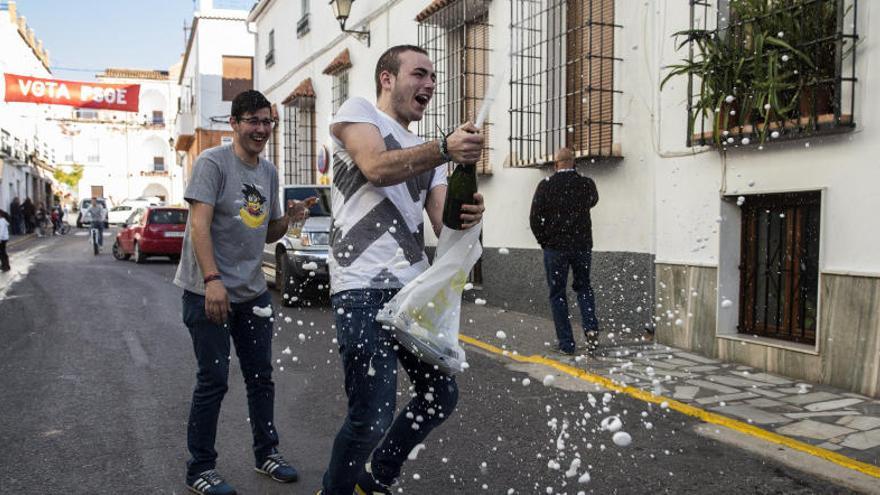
<point>21,240</point>
<point>683,408</point>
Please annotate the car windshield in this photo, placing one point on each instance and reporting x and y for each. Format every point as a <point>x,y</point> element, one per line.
<point>168,216</point>
<point>121,208</point>
<point>321,208</point>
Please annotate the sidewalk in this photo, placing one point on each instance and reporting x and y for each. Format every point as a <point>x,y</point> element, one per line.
<point>15,240</point>
<point>819,415</point>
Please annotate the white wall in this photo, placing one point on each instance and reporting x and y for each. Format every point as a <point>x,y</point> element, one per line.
<point>622,221</point>
<point>126,147</point>
<point>21,120</point>
<point>687,202</point>
<point>214,39</point>
<point>662,197</point>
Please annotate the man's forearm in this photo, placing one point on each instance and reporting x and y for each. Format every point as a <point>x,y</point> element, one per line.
<point>395,166</point>
<point>277,229</point>
<point>204,249</point>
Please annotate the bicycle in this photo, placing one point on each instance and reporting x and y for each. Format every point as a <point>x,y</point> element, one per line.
<point>93,239</point>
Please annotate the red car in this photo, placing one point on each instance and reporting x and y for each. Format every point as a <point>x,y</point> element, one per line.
<point>154,231</point>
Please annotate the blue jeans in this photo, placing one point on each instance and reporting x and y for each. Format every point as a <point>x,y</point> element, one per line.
<point>252,336</point>
<point>557,264</point>
<point>369,359</point>
<point>100,228</point>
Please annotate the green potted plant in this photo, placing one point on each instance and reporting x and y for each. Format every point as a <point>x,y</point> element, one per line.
<point>753,74</point>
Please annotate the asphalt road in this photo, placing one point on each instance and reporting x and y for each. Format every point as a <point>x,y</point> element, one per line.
<point>97,371</point>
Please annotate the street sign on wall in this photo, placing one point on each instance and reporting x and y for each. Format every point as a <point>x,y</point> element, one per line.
<point>101,96</point>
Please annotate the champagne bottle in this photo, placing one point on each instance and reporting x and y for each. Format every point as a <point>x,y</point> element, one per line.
<point>462,185</point>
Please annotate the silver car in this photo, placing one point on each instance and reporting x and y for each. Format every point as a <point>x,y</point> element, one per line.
<point>299,259</point>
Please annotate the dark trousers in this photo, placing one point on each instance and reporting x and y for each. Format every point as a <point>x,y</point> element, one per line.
<point>252,336</point>
<point>369,359</point>
<point>557,265</point>
<point>4,258</point>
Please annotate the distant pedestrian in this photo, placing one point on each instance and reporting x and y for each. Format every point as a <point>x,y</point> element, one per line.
<point>560,221</point>
<point>17,217</point>
<point>30,215</point>
<point>235,211</point>
<point>97,215</point>
<point>4,238</point>
<point>41,220</point>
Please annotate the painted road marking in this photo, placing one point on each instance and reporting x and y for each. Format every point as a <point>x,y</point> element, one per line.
<point>683,408</point>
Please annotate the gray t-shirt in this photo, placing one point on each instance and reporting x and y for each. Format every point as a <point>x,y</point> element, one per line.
<point>245,199</point>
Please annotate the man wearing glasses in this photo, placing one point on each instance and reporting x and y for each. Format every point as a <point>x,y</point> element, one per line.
<point>234,211</point>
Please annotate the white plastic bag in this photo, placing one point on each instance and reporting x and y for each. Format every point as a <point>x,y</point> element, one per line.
<point>425,314</point>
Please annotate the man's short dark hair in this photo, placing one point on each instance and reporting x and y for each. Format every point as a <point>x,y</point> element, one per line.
<point>390,61</point>
<point>249,101</point>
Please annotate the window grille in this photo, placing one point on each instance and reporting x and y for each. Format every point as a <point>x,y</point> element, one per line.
<point>562,79</point>
<point>779,279</point>
<point>820,93</point>
<point>456,38</point>
<point>299,141</point>
<point>340,89</point>
<point>270,52</point>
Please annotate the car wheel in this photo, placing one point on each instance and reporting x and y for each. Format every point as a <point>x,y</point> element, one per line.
<point>118,253</point>
<point>139,256</point>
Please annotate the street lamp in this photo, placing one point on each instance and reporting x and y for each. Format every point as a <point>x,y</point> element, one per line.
<point>341,10</point>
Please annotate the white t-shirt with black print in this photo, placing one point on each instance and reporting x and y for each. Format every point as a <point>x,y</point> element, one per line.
<point>378,236</point>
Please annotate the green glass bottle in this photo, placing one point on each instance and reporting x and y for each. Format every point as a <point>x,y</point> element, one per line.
<point>462,185</point>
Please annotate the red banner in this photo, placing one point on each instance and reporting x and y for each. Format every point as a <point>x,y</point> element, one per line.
<point>100,96</point>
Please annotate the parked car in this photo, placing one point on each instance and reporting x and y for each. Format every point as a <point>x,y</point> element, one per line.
<point>299,259</point>
<point>153,231</point>
<point>119,214</point>
<point>83,220</point>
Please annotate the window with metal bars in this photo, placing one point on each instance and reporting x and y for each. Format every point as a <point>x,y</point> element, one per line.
<point>562,79</point>
<point>340,89</point>
<point>299,142</point>
<point>803,86</point>
<point>779,268</point>
<point>456,38</point>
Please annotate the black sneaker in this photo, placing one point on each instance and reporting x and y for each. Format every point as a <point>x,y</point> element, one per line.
<point>278,469</point>
<point>209,483</point>
<point>368,485</point>
<point>564,352</point>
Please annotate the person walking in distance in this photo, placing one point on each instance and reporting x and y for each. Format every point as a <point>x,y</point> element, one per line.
<point>17,217</point>
<point>384,178</point>
<point>97,216</point>
<point>234,211</point>
<point>560,221</point>
<point>4,239</point>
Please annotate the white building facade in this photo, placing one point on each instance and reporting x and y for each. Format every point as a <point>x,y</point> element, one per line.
<point>217,65</point>
<point>126,155</point>
<point>668,231</point>
<point>28,138</point>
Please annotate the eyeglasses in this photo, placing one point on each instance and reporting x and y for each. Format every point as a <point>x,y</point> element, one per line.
<point>270,123</point>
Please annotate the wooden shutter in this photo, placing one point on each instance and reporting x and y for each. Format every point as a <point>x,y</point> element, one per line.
<point>476,71</point>
<point>589,76</point>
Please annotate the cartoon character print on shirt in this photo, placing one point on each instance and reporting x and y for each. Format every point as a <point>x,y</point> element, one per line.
<point>254,211</point>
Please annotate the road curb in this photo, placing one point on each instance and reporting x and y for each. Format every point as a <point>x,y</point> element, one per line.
<point>689,410</point>
<point>21,240</point>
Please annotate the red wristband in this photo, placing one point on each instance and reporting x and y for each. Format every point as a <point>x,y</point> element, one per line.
<point>211,277</point>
